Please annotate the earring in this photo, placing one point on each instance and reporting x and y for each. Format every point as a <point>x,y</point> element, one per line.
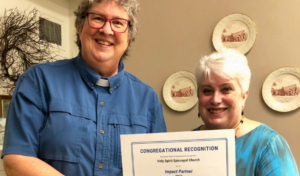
<point>243,110</point>
<point>198,114</point>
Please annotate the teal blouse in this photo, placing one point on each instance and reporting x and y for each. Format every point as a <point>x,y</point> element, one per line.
<point>263,152</point>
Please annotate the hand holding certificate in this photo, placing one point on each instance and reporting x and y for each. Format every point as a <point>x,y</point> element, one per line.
<point>181,153</point>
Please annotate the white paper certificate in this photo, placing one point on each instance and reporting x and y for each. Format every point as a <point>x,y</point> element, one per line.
<point>193,153</point>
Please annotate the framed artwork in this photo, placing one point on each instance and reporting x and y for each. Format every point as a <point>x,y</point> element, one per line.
<point>180,91</point>
<point>50,31</point>
<point>4,104</point>
<point>235,31</point>
<point>281,89</point>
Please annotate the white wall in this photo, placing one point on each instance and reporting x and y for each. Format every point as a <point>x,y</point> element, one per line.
<point>54,10</point>
<point>73,4</point>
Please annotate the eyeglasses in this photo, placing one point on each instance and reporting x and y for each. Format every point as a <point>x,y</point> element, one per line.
<point>98,21</point>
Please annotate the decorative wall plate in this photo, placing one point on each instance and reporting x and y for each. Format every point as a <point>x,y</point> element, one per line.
<point>281,89</point>
<point>236,31</point>
<point>180,91</point>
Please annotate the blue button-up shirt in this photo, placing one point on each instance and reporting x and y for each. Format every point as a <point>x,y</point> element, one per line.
<point>61,116</point>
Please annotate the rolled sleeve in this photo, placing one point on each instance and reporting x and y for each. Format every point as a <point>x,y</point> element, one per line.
<point>25,120</point>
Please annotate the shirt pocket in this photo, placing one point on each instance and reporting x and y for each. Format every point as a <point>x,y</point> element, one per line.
<point>63,131</point>
<point>122,124</point>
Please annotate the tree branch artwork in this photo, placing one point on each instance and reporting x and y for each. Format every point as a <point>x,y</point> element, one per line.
<point>21,46</point>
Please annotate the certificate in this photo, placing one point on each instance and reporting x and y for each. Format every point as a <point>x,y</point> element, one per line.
<point>193,153</point>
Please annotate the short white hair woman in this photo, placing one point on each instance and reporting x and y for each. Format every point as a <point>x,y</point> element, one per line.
<point>223,86</point>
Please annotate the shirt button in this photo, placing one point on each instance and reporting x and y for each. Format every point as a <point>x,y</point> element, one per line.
<point>101,131</point>
<point>102,103</point>
<point>100,166</point>
<point>92,84</point>
<point>111,89</point>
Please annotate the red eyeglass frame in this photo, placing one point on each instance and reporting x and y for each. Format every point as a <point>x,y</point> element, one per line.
<point>107,20</point>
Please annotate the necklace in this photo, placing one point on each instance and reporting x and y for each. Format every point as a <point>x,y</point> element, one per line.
<point>239,126</point>
<point>236,128</point>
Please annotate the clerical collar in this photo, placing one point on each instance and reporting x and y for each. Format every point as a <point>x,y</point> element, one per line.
<point>103,82</point>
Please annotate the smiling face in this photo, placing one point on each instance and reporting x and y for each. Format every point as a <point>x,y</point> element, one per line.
<point>102,48</point>
<point>220,102</point>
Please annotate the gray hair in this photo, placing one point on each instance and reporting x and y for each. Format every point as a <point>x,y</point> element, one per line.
<point>228,64</point>
<point>132,8</point>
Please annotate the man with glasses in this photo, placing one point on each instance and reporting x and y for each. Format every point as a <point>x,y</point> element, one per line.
<point>66,117</point>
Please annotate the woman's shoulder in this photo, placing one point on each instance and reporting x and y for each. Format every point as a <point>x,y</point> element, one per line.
<point>264,147</point>
<point>258,130</point>
<point>252,125</point>
<point>197,129</point>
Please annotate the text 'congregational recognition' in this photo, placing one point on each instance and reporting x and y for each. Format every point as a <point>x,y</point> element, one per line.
<point>185,149</point>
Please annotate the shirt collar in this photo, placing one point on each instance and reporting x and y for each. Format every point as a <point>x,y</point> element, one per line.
<point>91,77</point>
